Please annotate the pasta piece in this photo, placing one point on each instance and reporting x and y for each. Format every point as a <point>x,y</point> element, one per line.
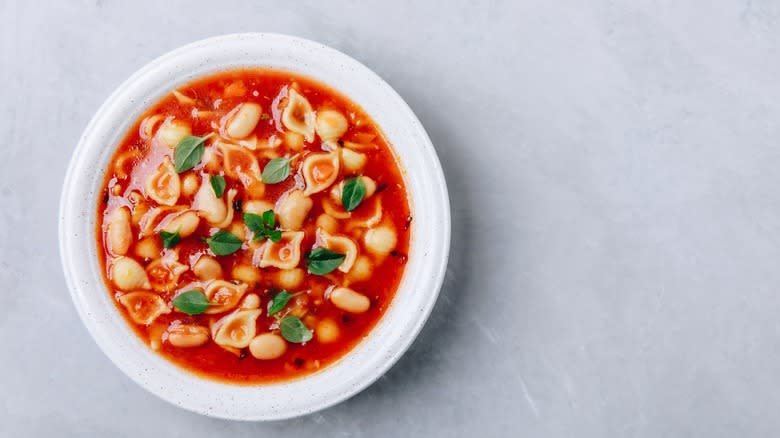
<point>183,98</point>
<point>293,210</point>
<point>331,124</point>
<point>257,207</point>
<point>250,142</point>
<point>140,207</point>
<point>368,183</point>
<point>208,205</point>
<point>172,131</point>
<point>183,223</point>
<point>352,161</point>
<point>121,162</point>
<point>119,235</point>
<point>349,301</point>
<point>340,244</point>
<point>236,329</point>
<point>148,247</point>
<point>320,170</point>
<point>187,335</point>
<point>381,240</point>
<point>231,195</point>
<point>365,147</point>
<point>144,307</point>
<point>285,254</point>
<point>207,268</point>
<point>156,331</point>
<point>298,115</point>
<point>152,218</point>
<point>268,346</point>
<point>251,301</point>
<point>146,129</point>
<point>242,120</point>
<point>163,185</point>
<point>223,295</point>
<point>164,274</point>
<point>335,210</point>
<point>240,164</point>
<point>128,274</point>
<point>369,221</point>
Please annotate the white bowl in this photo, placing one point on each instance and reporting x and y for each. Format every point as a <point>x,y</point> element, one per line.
<point>402,321</point>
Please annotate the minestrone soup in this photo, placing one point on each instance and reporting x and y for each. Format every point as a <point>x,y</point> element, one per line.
<point>253,226</point>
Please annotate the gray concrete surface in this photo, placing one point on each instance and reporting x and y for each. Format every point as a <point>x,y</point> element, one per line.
<point>614,174</point>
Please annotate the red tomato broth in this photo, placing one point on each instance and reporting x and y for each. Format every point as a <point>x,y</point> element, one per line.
<point>210,360</point>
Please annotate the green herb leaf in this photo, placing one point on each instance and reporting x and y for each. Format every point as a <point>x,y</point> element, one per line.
<point>192,302</point>
<point>323,261</point>
<point>294,330</point>
<point>188,152</point>
<point>254,222</point>
<point>277,170</point>
<point>223,243</point>
<point>280,300</point>
<point>169,240</point>
<point>218,184</point>
<point>263,226</point>
<point>269,219</point>
<point>352,194</point>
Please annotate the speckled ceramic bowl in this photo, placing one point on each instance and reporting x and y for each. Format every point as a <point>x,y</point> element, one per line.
<point>398,327</point>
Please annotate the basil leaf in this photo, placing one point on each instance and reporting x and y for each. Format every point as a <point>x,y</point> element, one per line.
<point>323,261</point>
<point>269,219</point>
<point>275,236</point>
<point>277,170</point>
<point>279,301</point>
<point>224,243</point>
<point>169,240</point>
<point>191,302</point>
<point>188,153</point>
<point>218,184</point>
<point>254,222</point>
<point>294,330</point>
<point>353,193</point>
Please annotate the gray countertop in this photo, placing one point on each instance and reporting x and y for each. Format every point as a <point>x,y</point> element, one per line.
<point>613,170</point>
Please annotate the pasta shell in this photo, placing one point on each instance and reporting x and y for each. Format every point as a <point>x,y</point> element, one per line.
<point>320,170</point>
<point>284,254</point>
<point>144,307</point>
<point>340,244</point>
<point>293,210</point>
<point>164,275</point>
<point>163,185</point>
<point>237,329</point>
<point>184,223</point>
<point>208,205</point>
<point>331,124</point>
<point>353,161</point>
<point>240,164</point>
<point>224,295</point>
<point>298,115</point>
<point>242,120</point>
<point>172,131</point>
<point>128,274</point>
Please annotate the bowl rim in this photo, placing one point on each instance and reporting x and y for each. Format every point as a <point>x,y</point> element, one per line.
<point>71,222</point>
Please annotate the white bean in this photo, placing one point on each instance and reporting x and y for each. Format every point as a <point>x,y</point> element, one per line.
<point>187,335</point>
<point>293,210</point>
<point>118,232</point>
<point>267,346</point>
<point>381,240</point>
<point>327,331</point>
<point>331,124</point>
<point>349,301</point>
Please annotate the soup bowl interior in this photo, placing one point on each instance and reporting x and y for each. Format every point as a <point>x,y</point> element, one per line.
<point>401,322</point>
